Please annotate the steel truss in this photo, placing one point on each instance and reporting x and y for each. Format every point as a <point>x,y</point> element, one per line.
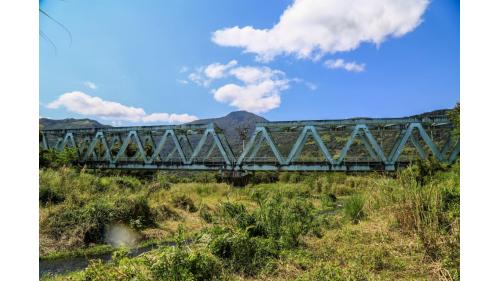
<point>170,147</point>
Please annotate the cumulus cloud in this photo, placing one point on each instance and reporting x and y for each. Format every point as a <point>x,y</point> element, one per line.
<point>205,75</point>
<point>217,70</point>
<point>260,90</point>
<point>256,89</point>
<point>81,103</point>
<point>90,85</point>
<point>312,28</point>
<point>349,66</point>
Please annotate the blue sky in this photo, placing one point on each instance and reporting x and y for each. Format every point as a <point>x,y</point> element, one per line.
<point>160,62</point>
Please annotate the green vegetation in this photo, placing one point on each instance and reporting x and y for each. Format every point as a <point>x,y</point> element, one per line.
<point>354,208</point>
<point>317,226</point>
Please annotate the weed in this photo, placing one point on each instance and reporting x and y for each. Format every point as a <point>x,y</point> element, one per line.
<point>206,214</point>
<point>180,264</point>
<point>354,208</point>
<point>49,195</point>
<point>184,202</point>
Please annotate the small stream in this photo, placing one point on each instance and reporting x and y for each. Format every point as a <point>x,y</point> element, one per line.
<point>65,265</point>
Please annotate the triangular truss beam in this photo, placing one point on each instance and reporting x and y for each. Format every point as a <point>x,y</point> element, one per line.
<point>196,157</point>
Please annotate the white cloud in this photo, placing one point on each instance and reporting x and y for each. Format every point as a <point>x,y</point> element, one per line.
<point>258,89</point>
<point>205,75</point>
<point>312,28</point>
<point>349,66</point>
<point>81,103</point>
<point>182,81</point>
<point>169,118</point>
<point>217,70</point>
<point>90,85</point>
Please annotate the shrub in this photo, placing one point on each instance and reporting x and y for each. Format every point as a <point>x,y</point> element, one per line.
<point>128,182</point>
<point>236,214</point>
<point>180,264</point>
<point>104,183</point>
<point>285,220</point>
<point>48,195</point>
<point>184,202</point>
<point>279,218</point>
<point>206,214</point>
<point>80,224</point>
<point>164,212</point>
<point>51,158</point>
<point>133,210</point>
<point>354,208</point>
<point>86,224</point>
<point>328,200</point>
<point>242,253</point>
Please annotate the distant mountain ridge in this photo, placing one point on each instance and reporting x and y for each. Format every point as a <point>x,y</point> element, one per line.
<point>233,123</point>
<point>69,123</point>
<point>237,126</point>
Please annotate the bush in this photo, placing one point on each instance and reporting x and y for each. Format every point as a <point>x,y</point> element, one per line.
<point>206,214</point>
<point>328,200</point>
<point>354,208</point>
<point>181,264</point>
<point>134,211</point>
<point>242,253</point>
<point>279,218</point>
<point>285,220</point>
<point>51,158</point>
<point>82,225</point>
<point>184,202</point>
<point>48,195</point>
<point>86,224</point>
<point>164,212</point>
<point>128,182</point>
<point>236,214</point>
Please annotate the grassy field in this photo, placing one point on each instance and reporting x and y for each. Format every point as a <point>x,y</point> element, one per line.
<point>325,226</point>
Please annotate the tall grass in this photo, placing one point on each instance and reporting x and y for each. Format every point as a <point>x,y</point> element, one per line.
<point>254,232</point>
<point>354,208</point>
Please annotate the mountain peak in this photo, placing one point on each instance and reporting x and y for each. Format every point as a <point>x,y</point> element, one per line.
<point>242,115</point>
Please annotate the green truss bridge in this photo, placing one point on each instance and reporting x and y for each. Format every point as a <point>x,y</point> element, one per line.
<point>326,145</point>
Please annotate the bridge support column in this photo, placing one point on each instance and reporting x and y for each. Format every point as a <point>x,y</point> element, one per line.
<point>390,167</point>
